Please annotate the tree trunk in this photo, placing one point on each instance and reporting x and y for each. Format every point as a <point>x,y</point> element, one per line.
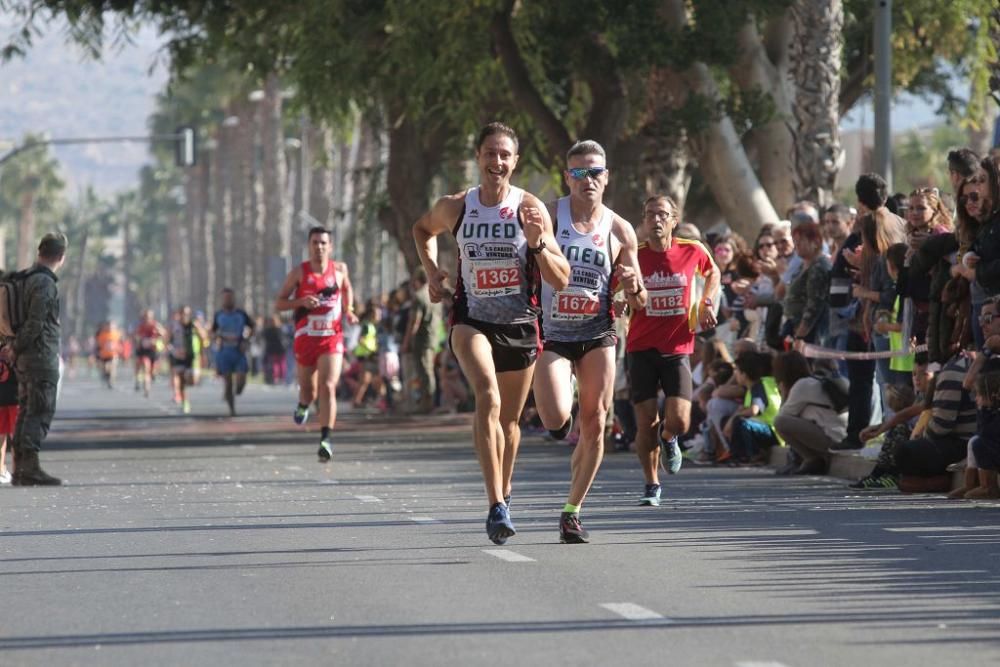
<point>722,160</point>
<point>815,65</point>
<point>224,171</point>
<point>409,182</point>
<point>320,200</point>
<point>723,164</point>
<point>271,248</point>
<point>26,229</point>
<point>773,142</point>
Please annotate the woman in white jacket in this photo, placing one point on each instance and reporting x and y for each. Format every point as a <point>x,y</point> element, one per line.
<point>807,421</point>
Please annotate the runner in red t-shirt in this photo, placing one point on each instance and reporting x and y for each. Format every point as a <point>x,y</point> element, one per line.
<point>148,334</point>
<point>661,337</point>
<point>319,292</point>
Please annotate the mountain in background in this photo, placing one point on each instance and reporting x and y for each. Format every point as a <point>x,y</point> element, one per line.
<point>56,89</point>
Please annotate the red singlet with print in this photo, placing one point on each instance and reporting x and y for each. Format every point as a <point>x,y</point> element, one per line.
<point>147,333</point>
<point>319,331</point>
<point>665,323</point>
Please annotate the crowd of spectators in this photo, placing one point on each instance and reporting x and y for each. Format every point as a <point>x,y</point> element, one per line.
<point>871,326</point>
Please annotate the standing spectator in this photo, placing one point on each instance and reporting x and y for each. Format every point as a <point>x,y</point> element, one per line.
<point>761,292</point>
<point>366,352</point>
<point>805,298</point>
<point>418,343</point>
<point>275,351</point>
<point>727,251</point>
<point>962,164</point>
<point>983,202</point>
<point>883,229</point>
<point>36,350</point>
<point>925,216</point>
<point>808,419</point>
<point>880,230</point>
<point>8,408</point>
<point>838,221</point>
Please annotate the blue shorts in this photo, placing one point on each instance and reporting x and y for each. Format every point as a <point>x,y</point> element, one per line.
<point>230,360</point>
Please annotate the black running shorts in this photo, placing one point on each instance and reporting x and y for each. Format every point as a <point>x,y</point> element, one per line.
<point>578,350</point>
<point>649,371</point>
<point>515,346</point>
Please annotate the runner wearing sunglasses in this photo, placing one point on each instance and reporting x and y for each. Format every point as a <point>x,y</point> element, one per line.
<point>578,323</point>
<point>504,236</point>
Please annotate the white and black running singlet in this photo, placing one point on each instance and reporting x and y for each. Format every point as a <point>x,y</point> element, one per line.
<point>582,311</point>
<point>495,272</point>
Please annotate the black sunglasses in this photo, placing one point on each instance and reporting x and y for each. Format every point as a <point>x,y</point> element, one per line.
<point>769,244</point>
<point>971,197</point>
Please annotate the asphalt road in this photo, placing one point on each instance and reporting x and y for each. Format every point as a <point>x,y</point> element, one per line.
<point>200,540</point>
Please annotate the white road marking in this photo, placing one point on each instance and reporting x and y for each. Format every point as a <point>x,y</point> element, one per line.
<point>508,555</point>
<point>940,529</point>
<point>760,663</point>
<point>369,499</point>
<point>424,519</point>
<point>631,611</point>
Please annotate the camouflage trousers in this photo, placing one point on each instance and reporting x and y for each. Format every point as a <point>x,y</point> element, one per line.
<point>36,400</point>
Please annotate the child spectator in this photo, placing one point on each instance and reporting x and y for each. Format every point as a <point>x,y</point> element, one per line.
<point>8,409</point>
<point>984,448</point>
<point>906,406</point>
<point>900,367</point>
<point>750,431</point>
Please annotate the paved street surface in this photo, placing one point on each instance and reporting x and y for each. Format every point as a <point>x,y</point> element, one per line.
<point>202,540</point>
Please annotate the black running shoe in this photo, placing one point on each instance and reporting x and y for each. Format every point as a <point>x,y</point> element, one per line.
<point>571,531</point>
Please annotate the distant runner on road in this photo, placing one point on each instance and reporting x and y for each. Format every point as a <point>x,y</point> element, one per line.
<point>319,292</point>
<point>232,328</point>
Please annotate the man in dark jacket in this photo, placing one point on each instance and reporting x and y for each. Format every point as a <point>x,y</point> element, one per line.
<point>36,347</point>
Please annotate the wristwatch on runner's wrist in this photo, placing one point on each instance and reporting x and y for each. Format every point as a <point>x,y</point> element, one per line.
<point>707,301</point>
<point>539,249</point>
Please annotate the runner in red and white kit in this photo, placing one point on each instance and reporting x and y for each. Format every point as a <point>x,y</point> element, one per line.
<point>148,335</point>
<point>661,337</point>
<point>504,236</point>
<point>319,291</point>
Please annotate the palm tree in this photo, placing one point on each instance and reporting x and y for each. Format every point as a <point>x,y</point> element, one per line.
<point>30,186</point>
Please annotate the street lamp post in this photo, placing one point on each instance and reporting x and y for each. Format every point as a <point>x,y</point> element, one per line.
<point>883,89</point>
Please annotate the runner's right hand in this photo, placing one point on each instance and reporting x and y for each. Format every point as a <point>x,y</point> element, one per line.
<point>437,285</point>
<point>309,302</point>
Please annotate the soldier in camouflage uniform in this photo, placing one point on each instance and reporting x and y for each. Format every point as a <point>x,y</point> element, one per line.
<point>37,360</point>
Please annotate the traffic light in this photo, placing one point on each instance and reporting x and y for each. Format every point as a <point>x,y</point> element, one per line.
<point>186,146</point>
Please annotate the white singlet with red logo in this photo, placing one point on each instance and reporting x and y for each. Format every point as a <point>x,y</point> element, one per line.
<point>495,284</point>
<point>582,311</point>
<point>323,321</point>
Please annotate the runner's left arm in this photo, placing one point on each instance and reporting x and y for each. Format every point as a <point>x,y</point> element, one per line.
<point>713,280</point>
<point>348,295</point>
<point>537,230</point>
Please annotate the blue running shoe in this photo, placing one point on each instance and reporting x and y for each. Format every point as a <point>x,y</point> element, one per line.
<point>301,415</point>
<point>671,457</point>
<point>325,452</point>
<point>498,524</point>
<point>651,496</point>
